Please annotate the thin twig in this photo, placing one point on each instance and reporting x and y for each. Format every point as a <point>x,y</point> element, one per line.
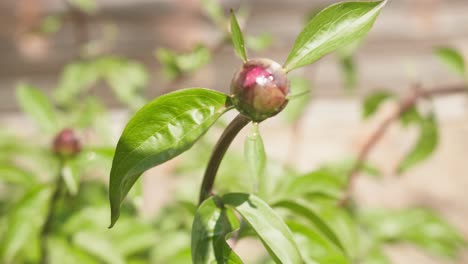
<point>406,103</point>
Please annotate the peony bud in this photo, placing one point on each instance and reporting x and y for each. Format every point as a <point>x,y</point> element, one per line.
<point>66,143</point>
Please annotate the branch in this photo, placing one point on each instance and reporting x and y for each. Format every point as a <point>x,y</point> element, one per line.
<point>405,104</point>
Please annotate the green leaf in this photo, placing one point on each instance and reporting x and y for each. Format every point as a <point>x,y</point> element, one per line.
<point>24,221</point>
<point>424,147</point>
<point>161,130</point>
<point>87,6</point>
<point>453,59</point>
<point>411,116</point>
<point>255,156</point>
<point>313,218</point>
<point>71,177</point>
<point>237,38</point>
<point>269,227</point>
<point>15,175</point>
<point>259,43</point>
<point>348,68</point>
<point>175,65</point>
<point>296,106</point>
<point>333,28</point>
<point>314,247</point>
<point>373,101</point>
<point>60,251</point>
<point>214,10</point>
<point>36,104</point>
<point>210,228</point>
<point>98,246</point>
<point>418,226</point>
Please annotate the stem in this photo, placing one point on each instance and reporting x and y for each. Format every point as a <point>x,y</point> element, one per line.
<point>47,227</point>
<point>218,153</point>
<point>405,104</point>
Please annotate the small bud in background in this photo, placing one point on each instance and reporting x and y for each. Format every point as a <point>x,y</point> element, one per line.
<point>66,143</point>
<point>259,89</point>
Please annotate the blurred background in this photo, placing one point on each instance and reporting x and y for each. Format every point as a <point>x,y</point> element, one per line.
<point>164,45</point>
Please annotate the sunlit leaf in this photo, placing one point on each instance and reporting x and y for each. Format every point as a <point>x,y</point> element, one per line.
<point>214,10</point>
<point>453,59</point>
<point>59,251</point>
<point>269,227</point>
<point>425,145</point>
<point>164,128</point>
<point>98,246</point>
<point>87,6</point>
<point>24,221</point>
<point>15,175</point>
<point>260,42</point>
<point>210,228</point>
<point>176,64</point>
<point>237,38</point>
<point>36,104</point>
<point>348,68</point>
<point>334,27</point>
<point>76,78</point>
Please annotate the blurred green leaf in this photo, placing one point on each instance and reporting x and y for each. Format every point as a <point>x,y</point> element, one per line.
<point>453,59</point>
<point>296,106</point>
<point>373,101</point>
<point>424,147</point>
<point>215,11</point>
<point>172,247</point>
<point>76,78</point>
<point>175,64</point>
<point>59,251</point>
<point>15,175</point>
<point>269,227</point>
<point>71,177</point>
<point>237,38</point>
<point>314,247</point>
<point>51,24</point>
<point>209,233</point>
<point>334,27</point>
<point>24,221</point>
<point>98,246</point>
<point>376,256</point>
<point>411,116</point>
<point>418,226</point>
<point>165,128</point>
<point>315,220</point>
<point>255,156</point>
<point>87,6</point>
<point>348,68</point>
<point>36,104</point>
<point>259,43</point>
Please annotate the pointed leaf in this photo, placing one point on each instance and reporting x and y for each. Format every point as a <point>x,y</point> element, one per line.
<point>36,104</point>
<point>210,227</point>
<point>255,156</point>
<point>269,227</point>
<point>237,38</point>
<point>161,130</point>
<point>373,101</point>
<point>425,146</point>
<point>333,28</point>
<point>453,59</point>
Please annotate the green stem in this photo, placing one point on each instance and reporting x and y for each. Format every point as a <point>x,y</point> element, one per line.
<point>54,201</point>
<point>218,153</point>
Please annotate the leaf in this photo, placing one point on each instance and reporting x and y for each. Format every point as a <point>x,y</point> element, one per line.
<point>296,106</point>
<point>71,177</point>
<point>87,6</point>
<point>348,68</point>
<point>98,246</point>
<point>453,59</point>
<point>161,130</point>
<point>36,104</point>
<point>60,251</point>
<point>314,247</point>
<point>424,147</point>
<point>24,221</point>
<point>15,175</point>
<point>373,101</point>
<point>175,65</point>
<point>333,28</point>
<point>214,10</point>
<point>313,218</point>
<point>255,156</point>
<point>210,227</point>
<point>418,226</point>
<point>259,43</point>
<point>269,227</point>
<point>237,38</point>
